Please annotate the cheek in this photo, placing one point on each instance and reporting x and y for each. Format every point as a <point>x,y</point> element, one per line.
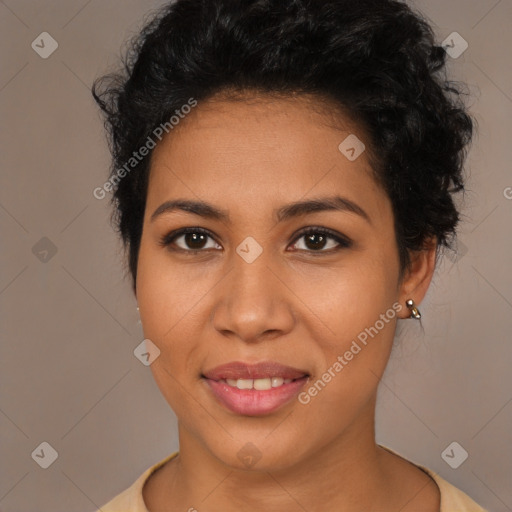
<point>351,367</point>
<point>167,293</point>
<point>352,296</point>
<point>164,299</point>
<point>359,307</point>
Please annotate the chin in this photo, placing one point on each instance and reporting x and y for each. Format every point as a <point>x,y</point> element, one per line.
<point>258,455</point>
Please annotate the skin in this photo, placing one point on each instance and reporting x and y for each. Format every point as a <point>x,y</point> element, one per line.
<point>295,304</point>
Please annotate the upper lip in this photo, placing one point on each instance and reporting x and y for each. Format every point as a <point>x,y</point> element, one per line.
<point>263,370</point>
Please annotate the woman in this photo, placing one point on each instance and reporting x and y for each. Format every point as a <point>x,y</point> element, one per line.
<point>283,178</point>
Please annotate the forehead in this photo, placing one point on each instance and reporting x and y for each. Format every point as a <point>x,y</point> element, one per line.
<point>249,150</point>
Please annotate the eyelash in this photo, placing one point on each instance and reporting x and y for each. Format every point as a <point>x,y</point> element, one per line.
<point>343,241</point>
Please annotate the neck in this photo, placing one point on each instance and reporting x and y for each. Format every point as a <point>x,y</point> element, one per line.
<point>347,472</point>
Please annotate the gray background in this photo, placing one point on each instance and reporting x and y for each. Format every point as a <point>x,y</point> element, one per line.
<point>69,323</point>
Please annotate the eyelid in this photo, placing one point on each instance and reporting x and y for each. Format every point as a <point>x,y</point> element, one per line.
<point>343,241</point>
<point>168,238</point>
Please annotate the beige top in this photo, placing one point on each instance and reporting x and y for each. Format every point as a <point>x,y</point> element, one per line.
<point>131,500</point>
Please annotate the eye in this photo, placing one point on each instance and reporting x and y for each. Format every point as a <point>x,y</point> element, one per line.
<point>192,240</point>
<point>316,239</point>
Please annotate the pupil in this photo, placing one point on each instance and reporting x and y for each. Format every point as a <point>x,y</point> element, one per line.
<point>311,238</point>
<point>194,240</point>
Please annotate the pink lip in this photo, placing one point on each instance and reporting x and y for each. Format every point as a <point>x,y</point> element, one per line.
<point>263,370</point>
<point>252,402</point>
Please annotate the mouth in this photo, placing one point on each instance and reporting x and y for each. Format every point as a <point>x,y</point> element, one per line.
<point>254,389</point>
<point>258,384</point>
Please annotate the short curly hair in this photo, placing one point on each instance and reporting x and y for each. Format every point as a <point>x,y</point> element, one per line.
<point>375,59</point>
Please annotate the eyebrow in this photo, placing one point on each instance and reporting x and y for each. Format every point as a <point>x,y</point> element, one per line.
<point>296,209</point>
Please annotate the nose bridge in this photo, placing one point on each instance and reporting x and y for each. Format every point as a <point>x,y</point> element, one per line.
<point>252,299</point>
<point>252,279</point>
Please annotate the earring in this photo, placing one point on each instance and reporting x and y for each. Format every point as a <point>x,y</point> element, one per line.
<point>415,313</point>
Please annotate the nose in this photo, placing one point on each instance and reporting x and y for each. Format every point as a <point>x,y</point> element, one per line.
<point>253,303</point>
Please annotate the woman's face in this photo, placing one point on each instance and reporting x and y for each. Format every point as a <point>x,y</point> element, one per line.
<point>250,288</point>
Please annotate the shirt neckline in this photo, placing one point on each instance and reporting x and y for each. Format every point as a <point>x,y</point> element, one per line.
<point>443,486</point>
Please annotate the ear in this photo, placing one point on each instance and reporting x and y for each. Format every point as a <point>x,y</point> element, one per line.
<point>417,276</point>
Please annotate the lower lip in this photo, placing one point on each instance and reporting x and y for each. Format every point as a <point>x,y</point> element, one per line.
<point>251,402</point>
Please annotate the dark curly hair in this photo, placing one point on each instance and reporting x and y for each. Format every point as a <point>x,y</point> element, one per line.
<point>375,59</point>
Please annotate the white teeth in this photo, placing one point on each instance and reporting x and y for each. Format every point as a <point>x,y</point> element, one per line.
<point>262,384</point>
<point>258,384</point>
<point>244,383</point>
<point>277,381</point>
